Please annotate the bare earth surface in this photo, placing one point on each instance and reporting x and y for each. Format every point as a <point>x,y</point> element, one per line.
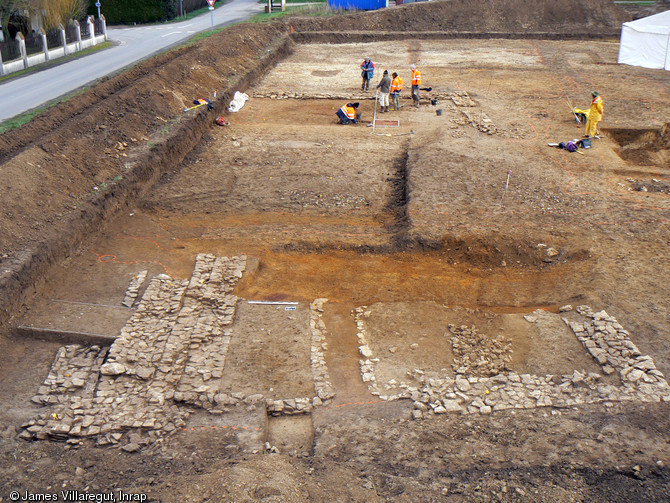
<point>287,309</point>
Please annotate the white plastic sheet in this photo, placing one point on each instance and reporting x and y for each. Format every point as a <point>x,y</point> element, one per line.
<point>646,42</point>
<point>238,101</point>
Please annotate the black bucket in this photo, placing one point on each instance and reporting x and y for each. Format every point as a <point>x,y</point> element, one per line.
<point>438,111</point>
<point>433,101</point>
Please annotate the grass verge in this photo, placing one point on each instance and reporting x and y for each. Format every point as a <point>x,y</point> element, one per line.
<point>20,120</point>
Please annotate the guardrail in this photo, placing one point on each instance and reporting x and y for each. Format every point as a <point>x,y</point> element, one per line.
<point>22,53</point>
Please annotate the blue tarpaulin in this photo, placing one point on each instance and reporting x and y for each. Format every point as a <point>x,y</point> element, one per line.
<point>357,4</point>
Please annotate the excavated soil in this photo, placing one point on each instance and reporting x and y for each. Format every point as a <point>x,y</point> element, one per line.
<point>461,219</point>
<point>570,17</point>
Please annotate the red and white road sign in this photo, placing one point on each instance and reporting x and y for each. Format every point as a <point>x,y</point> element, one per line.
<point>211,2</point>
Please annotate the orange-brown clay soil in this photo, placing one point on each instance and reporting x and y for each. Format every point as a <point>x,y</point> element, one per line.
<point>462,218</point>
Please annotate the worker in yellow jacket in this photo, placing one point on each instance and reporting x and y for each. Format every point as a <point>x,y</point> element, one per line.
<point>396,87</point>
<point>416,82</point>
<point>595,115</point>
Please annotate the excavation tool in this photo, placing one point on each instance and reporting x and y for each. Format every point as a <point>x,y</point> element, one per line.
<point>194,106</point>
<point>374,113</point>
<point>200,102</point>
<point>382,123</point>
<point>502,201</point>
<point>572,110</point>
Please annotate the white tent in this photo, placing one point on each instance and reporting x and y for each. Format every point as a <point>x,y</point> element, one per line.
<point>646,42</point>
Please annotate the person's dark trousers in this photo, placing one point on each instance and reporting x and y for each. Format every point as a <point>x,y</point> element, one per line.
<point>366,84</point>
<point>343,117</point>
<point>415,94</point>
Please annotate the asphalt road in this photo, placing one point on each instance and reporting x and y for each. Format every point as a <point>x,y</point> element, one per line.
<point>133,44</point>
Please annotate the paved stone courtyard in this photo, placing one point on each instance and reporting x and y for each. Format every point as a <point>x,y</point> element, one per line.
<point>170,360</point>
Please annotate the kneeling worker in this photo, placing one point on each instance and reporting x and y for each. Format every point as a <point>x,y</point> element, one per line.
<point>347,113</point>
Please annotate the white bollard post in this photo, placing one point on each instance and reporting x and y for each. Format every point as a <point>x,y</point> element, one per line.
<point>22,47</point>
<point>91,28</point>
<point>63,38</point>
<point>76,24</point>
<point>104,26</point>
<point>45,44</point>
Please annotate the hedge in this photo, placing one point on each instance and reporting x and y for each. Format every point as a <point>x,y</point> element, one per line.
<point>142,11</point>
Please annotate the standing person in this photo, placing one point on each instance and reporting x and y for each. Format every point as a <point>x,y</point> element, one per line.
<point>347,114</point>
<point>384,87</point>
<point>396,87</point>
<point>416,82</point>
<point>595,115</point>
<point>367,72</point>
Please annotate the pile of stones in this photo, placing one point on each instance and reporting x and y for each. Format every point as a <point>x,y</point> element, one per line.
<point>479,355</point>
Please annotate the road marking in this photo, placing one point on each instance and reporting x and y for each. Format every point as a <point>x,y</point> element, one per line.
<point>171,33</point>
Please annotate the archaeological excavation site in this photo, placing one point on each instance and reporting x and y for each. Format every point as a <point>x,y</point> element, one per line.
<point>433,304</point>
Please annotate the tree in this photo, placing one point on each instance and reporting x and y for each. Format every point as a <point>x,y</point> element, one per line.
<point>9,7</point>
<point>55,12</point>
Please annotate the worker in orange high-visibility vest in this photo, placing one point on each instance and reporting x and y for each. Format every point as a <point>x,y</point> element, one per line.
<point>595,115</point>
<point>347,114</point>
<point>396,87</point>
<point>416,82</point>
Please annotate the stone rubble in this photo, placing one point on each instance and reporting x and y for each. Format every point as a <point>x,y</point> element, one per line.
<point>284,95</point>
<point>359,96</point>
<point>476,118</point>
<point>480,121</point>
<point>73,372</point>
<point>609,344</point>
<point>206,328</point>
<point>168,358</point>
<point>323,389</point>
<point>466,393</point>
<point>289,406</point>
<point>134,288</point>
<point>367,365</point>
<point>461,99</point>
<point>169,350</point>
<point>478,355</point>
